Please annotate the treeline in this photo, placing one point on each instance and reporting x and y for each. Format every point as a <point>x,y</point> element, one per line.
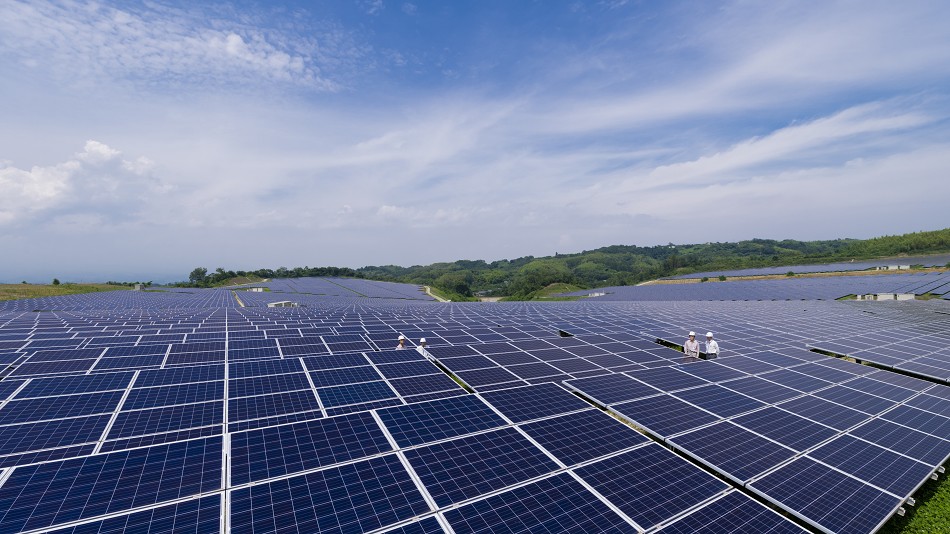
<point>615,265</point>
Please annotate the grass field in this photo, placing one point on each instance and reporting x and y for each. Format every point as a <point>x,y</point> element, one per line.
<point>31,291</point>
<point>930,515</point>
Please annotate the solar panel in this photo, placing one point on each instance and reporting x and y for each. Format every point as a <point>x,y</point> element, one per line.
<point>467,467</point>
<point>827,498</point>
<point>426,384</point>
<point>555,504</point>
<point>786,428</point>
<point>824,412</point>
<point>611,389</point>
<point>732,450</point>
<point>924,447</point>
<point>879,467</point>
<point>583,436</point>
<point>356,497</point>
<point>247,408</point>
<point>43,495</point>
<point>419,423</point>
<point>197,516</point>
<point>650,484</point>
<point>763,390</point>
<point>355,394</point>
<point>347,375</point>
<point>532,402</point>
<point>45,408</point>
<point>49,434</point>
<point>169,418</point>
<point>664,415</point>
<point>667,378</point>
<point>44,387</point>
<point>719,400</point>
<point>733,512</point>
<point>155,397</point>
<point>275,451</point>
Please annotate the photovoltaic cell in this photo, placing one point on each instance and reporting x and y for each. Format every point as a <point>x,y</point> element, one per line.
<point>429,525</point>
<point>555,504</point>
<point>664,415</point>
<point>263,385</point>
<point>650,484</point>
<point>583,436</point>
<point>24,411</point>
<point>731,513</point>
<point>667,378</point>
<point>355,497</point>
<point>786,428</point>
<point>179,375</point>
<point>271,452</point>
<point>169,418</point>
<point>43,495</point>
<point>156,397</point>
<point>355,394</point>
<point>719,400</point>
<point>67,385</point>
<point>532,402</point>
<point>732,450</point>
<point>924,447</point>
<point>827,497</point>
<point>467,467</point>
<point>195,516</point>
<point>418,423</point>
<point>880,467</point>
<point>419,385</point>
<point>824,412</point>
<point>49,434</point>
<point>763,390</point>
<point>612,389</point>
<point>247,408</point>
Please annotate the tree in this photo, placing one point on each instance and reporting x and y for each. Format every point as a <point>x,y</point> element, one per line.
<point>198,276</point>
<point>55,281</point>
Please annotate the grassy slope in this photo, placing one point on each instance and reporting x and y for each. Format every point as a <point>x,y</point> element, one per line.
<point>29,291</point>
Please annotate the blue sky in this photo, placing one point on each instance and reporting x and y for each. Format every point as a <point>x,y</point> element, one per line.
<point>139,140</point>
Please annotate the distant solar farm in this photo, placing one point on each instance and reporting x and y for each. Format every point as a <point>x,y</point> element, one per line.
<point>208,410</point>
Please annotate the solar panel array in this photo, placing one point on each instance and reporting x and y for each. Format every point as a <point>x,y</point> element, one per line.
<point>118,415</point>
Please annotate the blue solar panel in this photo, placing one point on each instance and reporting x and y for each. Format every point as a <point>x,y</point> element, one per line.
<point>170,395</point>
<point>355,393</point>
<point>419,423</point>
<point>158,420</point>
<point>762,390</point>
<point>286,449</point>
<point>23,411</point>
<point>419,385</point>
<point>247,408</point>
<point>467,467</point>
<point>43,495</point>
<point>667,378</point>
<point>924,447</point>
<point>67,385</point>
<point>827,498</point>
<point>429,525</point>
<point>733,512</point>
<point>880,389</point>
<point>335,361</point>
<point>650,484</point>
<point>485,377</point>
<point>856,400</point>
<point>551,505</point>
<point>786,428</point>
<point>195,516</point>
<point>611,389</point>
<point>158,439</point>
<point>712,371</point>
<point>790,378</point>
<point>664,415</point>
<point>931,404</point>
<point>355,497</point>
<point>880,467</point>
<point>402,370</point>
<point>824,412</point>
<point>179,375</point>
<point>57,433</point>
<point>583,436</point>
<point>732,450</point>
<point>263,385</point>
<point>7,387</point>
<point>531,402</point>
<point>719,400</point>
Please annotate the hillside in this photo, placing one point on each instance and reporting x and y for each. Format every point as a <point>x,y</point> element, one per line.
<point>614,265</point>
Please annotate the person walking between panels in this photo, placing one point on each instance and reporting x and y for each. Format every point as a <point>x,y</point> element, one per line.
<point>691,347</point>
<point>712,348</point>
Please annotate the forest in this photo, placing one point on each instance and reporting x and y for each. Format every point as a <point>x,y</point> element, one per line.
<point>614,265</point>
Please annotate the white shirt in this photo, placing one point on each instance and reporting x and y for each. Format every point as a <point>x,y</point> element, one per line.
<point>691,347</point>
<point>712,347</point>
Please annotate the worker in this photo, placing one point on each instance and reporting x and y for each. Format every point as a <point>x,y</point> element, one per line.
<point>691,347</point>
<point>422,342</point>
<point>402,342</point>
<point>712,348</point>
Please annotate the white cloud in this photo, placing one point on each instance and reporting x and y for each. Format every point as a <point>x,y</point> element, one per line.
<point>81,42</point>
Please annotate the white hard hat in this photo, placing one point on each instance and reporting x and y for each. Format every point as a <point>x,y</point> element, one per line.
<point>692,333</point>
<point>422,340</point>
<point>401,336</point>
<point>709,334</point>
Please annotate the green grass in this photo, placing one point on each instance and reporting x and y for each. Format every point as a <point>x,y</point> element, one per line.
<point>32,291</point>
<point>930,515</point>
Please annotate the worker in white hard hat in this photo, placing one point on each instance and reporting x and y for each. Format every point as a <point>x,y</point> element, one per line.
<point>402,342</point>
<point>422,342</point>
<point>691,346</point>
<point>712,348</point>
